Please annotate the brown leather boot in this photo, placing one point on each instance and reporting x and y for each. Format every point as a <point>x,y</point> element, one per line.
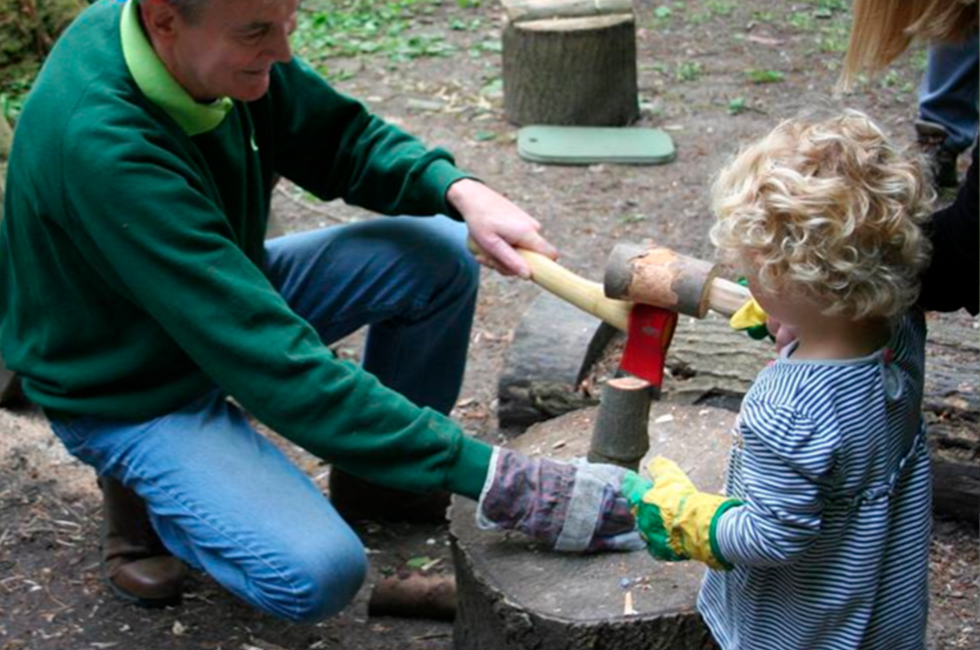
<point>356,499</point>
<point>135,564</point>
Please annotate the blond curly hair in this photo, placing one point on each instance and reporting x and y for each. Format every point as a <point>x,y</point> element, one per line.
<point>830,210</point>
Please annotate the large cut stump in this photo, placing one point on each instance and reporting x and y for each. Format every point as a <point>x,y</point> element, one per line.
<point>512,594</point>
<point>571,71</point>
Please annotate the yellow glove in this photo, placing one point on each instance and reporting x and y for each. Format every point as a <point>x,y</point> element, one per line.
<point>676,520</point>
<point>751,318</point>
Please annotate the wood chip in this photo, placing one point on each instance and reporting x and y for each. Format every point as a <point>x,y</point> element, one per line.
<point>628,605</point>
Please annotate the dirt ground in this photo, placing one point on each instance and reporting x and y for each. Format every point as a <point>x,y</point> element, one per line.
<point>713,74</point>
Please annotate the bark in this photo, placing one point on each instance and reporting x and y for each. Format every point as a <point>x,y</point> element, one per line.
<point>573,71</point>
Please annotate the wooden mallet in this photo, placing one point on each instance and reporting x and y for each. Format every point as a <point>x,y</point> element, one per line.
<point>635,274</point>
<point>644,290</point>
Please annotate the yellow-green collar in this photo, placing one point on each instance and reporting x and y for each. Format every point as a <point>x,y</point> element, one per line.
<point>159,86</point>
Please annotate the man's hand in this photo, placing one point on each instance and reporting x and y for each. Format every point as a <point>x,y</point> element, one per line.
<point>498,226</point>
<point>568,506</point>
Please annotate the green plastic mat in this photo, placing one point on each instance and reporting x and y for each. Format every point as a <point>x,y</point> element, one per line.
<point>589,145</point>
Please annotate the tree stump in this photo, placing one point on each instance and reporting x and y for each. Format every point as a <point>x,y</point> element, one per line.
<point>578,71</point>
<point>512,594</point>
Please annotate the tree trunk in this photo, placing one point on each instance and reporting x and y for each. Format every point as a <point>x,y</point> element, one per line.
<point>512,595</point>
<point>571,71</point>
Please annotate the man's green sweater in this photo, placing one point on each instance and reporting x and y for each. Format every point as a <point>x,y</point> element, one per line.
<point>131,253</point>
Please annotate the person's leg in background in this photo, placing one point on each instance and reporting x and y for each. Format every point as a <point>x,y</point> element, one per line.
<point>948,113</point>
<point>412,280</point>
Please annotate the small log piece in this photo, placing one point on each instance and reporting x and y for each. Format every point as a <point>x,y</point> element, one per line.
<point>414,596</point>
<point>659,276</point>
<point>577,71</point>
<point>620,434</point>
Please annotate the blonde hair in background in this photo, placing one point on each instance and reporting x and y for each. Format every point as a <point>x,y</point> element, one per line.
<point>882,29</point>
<point>828,210</point>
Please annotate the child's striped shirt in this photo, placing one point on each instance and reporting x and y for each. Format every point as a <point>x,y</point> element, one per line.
<point>831,547</point>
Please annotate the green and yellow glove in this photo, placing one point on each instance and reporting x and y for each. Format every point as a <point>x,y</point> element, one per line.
<point>677,521</point>
<point>751,318</point>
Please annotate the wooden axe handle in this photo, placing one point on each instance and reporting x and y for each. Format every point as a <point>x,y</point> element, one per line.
<point>727,297</point>
<point>584,294</point>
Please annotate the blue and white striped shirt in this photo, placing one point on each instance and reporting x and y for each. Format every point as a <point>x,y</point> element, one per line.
<point>831,548</point>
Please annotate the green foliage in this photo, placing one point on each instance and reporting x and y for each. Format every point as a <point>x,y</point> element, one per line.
<point>627,219</point>
<point>25,39</point>
<point>30,34</point>
<point>765,76</point>
<point>801,20</point>
<point>721,7</point>
<point>832,5</point>
<point>419,562</point>
<point>357,28</point>
<point>689,71</point>
<point>737,106</point>
<point>699,17</point>
<point>834,38</point>
<point>662,12</point>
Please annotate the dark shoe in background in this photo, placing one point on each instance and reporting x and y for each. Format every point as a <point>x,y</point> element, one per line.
<point>135,563</point>
<point>357,500</point>
<point>931,139</point>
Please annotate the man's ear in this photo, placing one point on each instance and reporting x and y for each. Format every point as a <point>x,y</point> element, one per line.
<point>160,19</point>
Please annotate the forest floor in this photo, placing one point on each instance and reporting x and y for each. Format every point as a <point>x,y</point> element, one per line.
<point>714,74</point>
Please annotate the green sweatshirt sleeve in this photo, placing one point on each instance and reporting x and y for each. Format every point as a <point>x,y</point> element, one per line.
<point>330,145</point>
<point>164,245</point>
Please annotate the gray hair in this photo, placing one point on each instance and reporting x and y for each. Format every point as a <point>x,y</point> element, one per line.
<point>189,10</point>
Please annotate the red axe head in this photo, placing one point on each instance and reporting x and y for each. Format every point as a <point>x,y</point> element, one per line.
<point>647,339</point>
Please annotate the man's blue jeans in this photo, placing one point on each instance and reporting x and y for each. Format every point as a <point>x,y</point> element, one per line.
<point>225,499</point>
<point>948,94</point>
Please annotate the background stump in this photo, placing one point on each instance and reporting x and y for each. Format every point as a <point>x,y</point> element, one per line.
<point>578,71</point>
<point>512,594</point>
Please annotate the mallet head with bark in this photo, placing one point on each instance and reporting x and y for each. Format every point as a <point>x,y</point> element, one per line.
<point>649,286</point>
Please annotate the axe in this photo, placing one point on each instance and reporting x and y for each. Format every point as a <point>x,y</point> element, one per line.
<point>645,288</point>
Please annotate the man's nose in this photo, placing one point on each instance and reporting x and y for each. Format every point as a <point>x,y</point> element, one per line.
<point>279,49</point>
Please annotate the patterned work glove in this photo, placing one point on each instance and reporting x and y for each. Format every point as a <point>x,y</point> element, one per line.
<point>677,521</point>
<point>568,506</point>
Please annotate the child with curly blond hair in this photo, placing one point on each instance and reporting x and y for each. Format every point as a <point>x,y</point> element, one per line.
<point>822,538</point>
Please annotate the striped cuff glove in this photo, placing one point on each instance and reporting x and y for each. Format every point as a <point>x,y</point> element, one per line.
<point>568,506</point>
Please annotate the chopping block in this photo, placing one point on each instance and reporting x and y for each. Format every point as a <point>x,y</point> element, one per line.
<point>513,594</point>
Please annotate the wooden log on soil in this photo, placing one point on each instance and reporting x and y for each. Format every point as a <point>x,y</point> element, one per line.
<point>512,594</point>
<point>955,490</point>
<point>571,71</point>
<point>414,596</point>
<point>620,434</point>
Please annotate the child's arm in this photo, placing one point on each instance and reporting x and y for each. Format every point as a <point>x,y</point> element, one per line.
<point>776,516</point>
<point>780,469</point>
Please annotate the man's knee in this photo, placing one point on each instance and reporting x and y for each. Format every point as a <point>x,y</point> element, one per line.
<point>325,578</point>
